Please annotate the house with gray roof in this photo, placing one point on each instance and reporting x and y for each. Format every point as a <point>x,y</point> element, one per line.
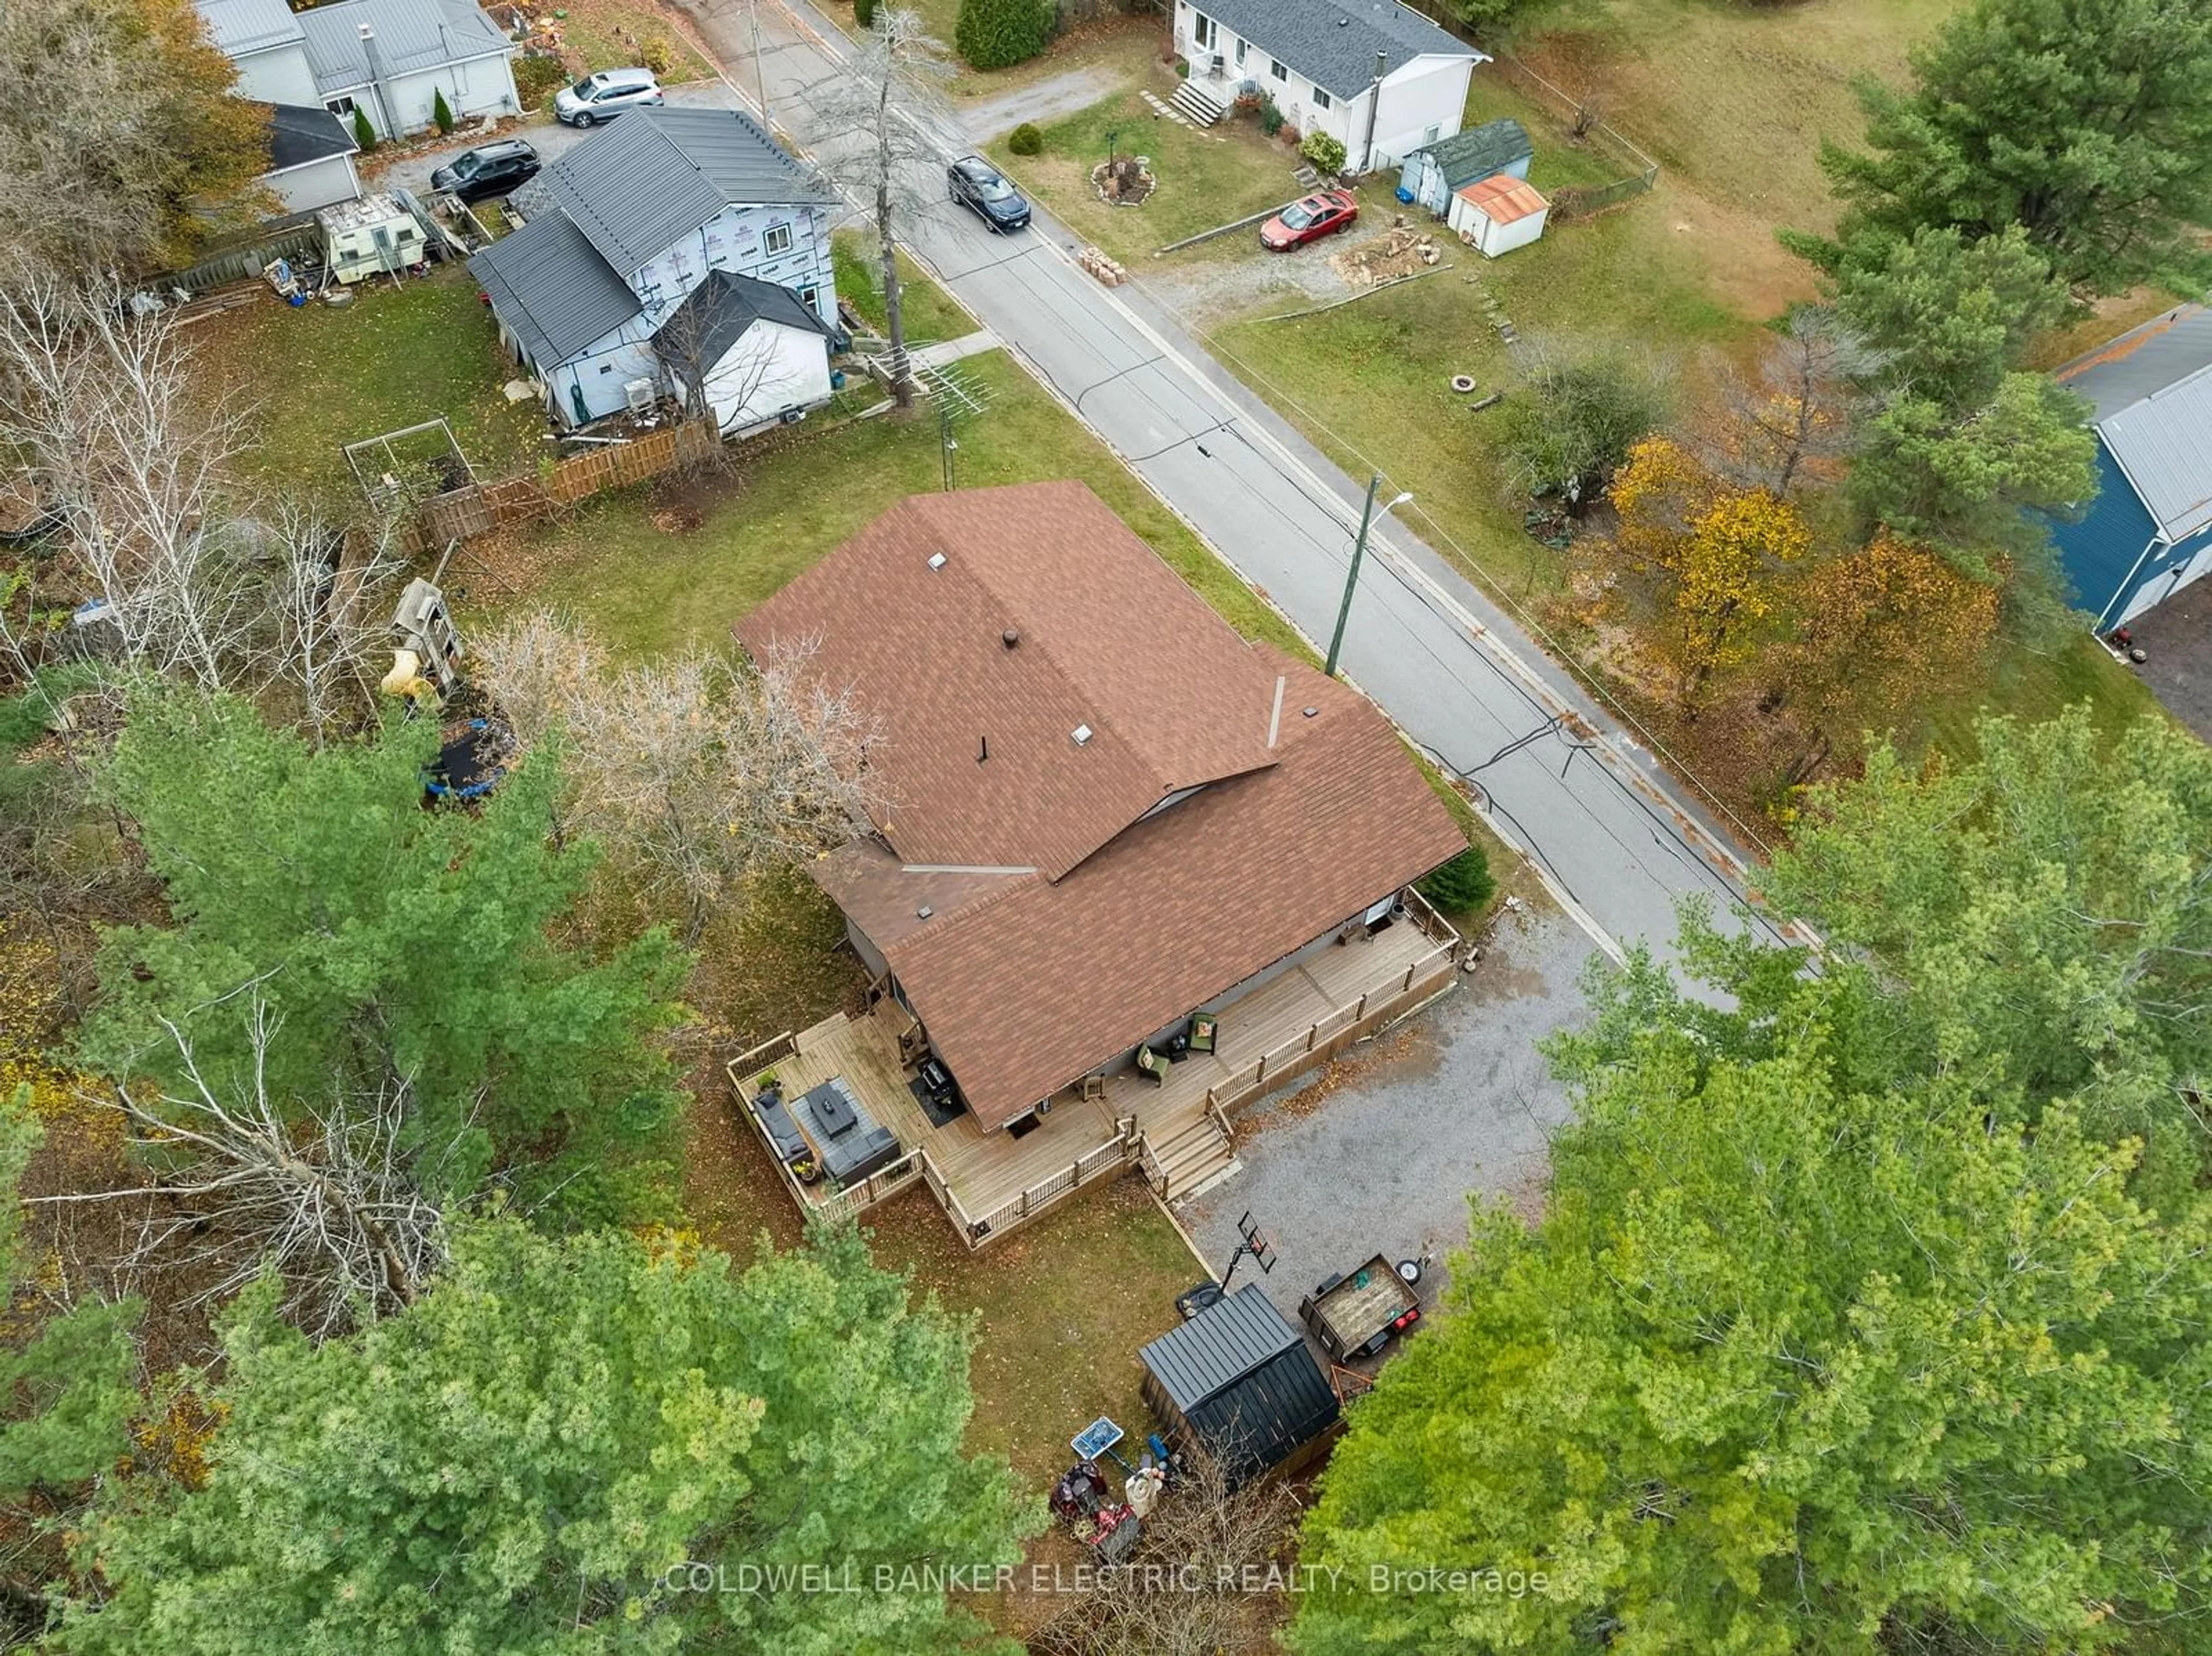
<point>621,230</point>
<point>1377,75</point>
<point>389,59</point>
<point>2148,532</point>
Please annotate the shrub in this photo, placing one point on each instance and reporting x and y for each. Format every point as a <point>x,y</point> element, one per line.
<point>1324,151</point>
<point>863,13</point>
<point>441,112</point>
<point>1461,885</point>
<point>364,135</point>
<point>1025,140</point>
<point>1270,115</point>
<point>659,54</point>
<point>1288,133</point>
<point>536,79</point>
<point>999,34</point>
<point>1577,414</point>
<point>1182,68</point>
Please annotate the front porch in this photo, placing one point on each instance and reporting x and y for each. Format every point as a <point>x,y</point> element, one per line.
<point>1176,1130</point>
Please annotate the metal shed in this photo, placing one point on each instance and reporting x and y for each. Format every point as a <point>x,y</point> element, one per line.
<point>1239,1380</point>
<point>1435,171</point>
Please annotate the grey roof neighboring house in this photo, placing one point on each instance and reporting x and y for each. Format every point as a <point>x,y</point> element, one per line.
<point>716,314</point>
<point>552,289</point>
<point>1332,42</point>
<point>2143,359</point>
<point>238,27</point>
<point>1470,156</point>
<point>656,175</point>
<point>2152,391</point>
<point>410,35</point>
<point>299,135</point>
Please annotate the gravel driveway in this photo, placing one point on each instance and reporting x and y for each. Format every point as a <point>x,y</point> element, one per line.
<point>549,137</point>
<point>1382,1156</point>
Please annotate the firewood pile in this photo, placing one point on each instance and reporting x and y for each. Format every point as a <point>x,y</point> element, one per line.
<point>1106,269</point>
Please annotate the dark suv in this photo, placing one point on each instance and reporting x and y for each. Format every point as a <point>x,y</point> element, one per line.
<point>489,170</point>
<point>976,183</point>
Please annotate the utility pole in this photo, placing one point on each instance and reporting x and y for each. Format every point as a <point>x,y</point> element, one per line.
<point>760,74</point>
<point>1351,576</point>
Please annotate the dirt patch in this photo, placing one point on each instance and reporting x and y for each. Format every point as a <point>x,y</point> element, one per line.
<point>1401,250</point>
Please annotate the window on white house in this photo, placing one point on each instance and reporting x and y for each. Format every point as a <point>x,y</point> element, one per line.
<point>1240,52</point>
<point>341,107</point>
<point>1201,30</point>
<point>1276,68</point>
<point>778,239</point>
<point>1320,97</point>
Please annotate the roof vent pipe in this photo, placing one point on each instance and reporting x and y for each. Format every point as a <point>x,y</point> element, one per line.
<point>1010,637</point>
<point>1081,733</point>
<point>937,560</point>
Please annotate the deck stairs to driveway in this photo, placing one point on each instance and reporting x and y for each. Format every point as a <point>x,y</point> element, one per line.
<point>1198,103</point>
<point>1191,1156</point>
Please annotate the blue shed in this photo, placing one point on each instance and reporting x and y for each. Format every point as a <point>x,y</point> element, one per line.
<point>2148,533</point>
<point>1436,171</point>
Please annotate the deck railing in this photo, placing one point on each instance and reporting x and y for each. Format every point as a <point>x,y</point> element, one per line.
<point>1292,1054</point>
<point>975,1229</point>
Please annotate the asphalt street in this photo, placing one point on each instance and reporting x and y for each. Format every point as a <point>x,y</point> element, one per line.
<point>1615,838</point>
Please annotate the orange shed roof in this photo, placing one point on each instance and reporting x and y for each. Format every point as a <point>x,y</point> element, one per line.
<point>1503,198</point>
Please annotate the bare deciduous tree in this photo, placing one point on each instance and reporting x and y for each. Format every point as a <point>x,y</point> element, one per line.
<point>872,144</point>
<point>327,1195</point>
<point>694,771</point>
<point>329,608</point>
<point>1188,1588</point>
<point>704,368</point>
<point>1801,412</point>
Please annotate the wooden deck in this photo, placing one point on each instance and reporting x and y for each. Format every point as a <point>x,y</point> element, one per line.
<point>990,1181</point>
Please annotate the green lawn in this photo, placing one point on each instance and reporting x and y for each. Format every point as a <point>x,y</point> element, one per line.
<point>615,35</point>
<point>648,591</point>
<point>1206,177</point>
<point>322,376</point>
<point>930,313</point>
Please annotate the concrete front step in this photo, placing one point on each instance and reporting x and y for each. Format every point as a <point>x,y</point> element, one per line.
<point>1195,100</point>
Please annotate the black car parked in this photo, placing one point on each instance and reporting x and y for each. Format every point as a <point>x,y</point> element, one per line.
<point>974,182</point>
<point>489,170</point>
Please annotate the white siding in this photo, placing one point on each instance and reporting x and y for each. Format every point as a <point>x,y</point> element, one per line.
<point>769,371</point>
<point>279,76</point>
<point>318,184</point>
<point>1427,93</point>
<point>481,86</point>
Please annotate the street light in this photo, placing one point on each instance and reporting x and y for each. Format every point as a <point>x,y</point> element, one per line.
<point>1351,576</point>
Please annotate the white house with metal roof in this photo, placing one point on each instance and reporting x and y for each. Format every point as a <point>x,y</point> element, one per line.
<point>388,58</point>
<point>2148,533</point>
<point>1379,77</point>
<point>620,231</point>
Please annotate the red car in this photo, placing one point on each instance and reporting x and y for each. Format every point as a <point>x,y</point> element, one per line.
<point>1323,214</point>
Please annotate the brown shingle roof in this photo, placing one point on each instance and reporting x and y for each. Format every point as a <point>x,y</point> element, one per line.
<point>924,648</point>
<point>1026,982</point>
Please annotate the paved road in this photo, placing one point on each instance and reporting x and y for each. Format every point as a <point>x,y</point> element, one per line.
<point>1604,825</point>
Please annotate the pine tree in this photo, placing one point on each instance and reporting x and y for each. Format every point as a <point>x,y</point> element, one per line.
<point>364,135</point>
<point>441,112</point>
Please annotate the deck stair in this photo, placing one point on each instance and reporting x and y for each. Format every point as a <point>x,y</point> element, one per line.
<point>1198,102</point>
<point>1192,1155</point>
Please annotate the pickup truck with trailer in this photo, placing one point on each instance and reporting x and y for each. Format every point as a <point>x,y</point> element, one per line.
<point>1355,1315</point>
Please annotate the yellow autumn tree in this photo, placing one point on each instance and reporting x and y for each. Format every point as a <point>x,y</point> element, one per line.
<point>1710,555</point>
<point>1879,631</point>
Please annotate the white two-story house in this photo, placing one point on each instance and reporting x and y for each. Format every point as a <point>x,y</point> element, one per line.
<point>1381,79</point>
<point>624,228</point>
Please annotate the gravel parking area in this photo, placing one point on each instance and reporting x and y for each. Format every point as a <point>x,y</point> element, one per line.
<point>1382,1153</point>
<point>2177,636</point>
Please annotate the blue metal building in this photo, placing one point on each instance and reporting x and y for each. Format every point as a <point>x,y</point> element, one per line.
<point>2149,531</point>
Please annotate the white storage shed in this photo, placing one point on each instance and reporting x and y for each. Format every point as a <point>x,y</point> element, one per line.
<point>1498,214</point>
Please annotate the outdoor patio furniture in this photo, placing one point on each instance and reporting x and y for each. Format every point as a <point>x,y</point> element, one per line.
<point>1204,1027</point>
<point>1153,1064</point>
<point>834,1111</point>
<point>1094,1086</point>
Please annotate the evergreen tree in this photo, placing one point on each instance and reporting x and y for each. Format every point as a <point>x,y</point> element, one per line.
<point>2086,121</point>
<point>575,1445</point>
<point>999,34</point>
<point>441,113</point>
<point>364,135</point>
<point>1790,1366</point>
<point>393,943</point>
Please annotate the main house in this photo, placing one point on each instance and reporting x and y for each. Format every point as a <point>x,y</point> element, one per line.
<point>2148,533</point>
<point>389,60</point>
<point>1129,869</point>
<point>1380,78</point>
<point>621,230</point>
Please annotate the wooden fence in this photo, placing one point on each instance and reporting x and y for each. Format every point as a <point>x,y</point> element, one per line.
<point>462,514</point>
<point>243,261</point>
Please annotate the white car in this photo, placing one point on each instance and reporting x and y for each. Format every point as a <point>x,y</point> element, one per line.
<point>604,94</point>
